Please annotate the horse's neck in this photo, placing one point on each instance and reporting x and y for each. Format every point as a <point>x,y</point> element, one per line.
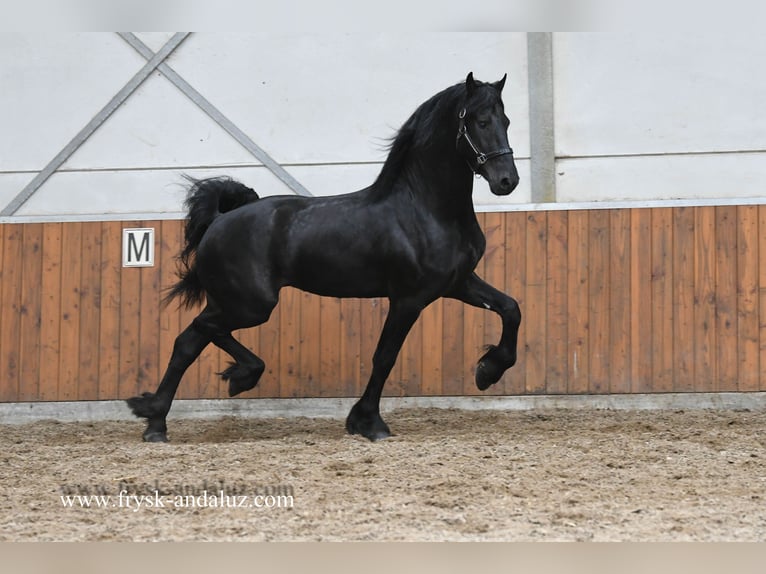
<point>443,184</point>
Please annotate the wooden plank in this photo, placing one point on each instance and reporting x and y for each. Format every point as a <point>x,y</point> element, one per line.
<point>433,348</point>
<point>619,301</point>
<point>30,320</point>
<point>641,364</point>
<point>410,361</point>
<point>726,300</point>
<point>683,299</point>
<point>556,298</point>
<point>452,347</point>
<point>662,299</point>
<point>762,288</point>
<point>10,301</point>
<point>350,347</point>
<point>90,306</point>
<point>747,298</point>
<point>4,263</point>
<point>289,341</point>
<point>130,310</point>
<point>50,311</point>
<point>329,334</point>
<point>578,286</point>
<point>71,264</point>
<point>536,305</point>
<point>705,343</point>
<point>515,286</point>
<point>310,346</point>
<point>598,301</point>
<point>494,274</point>
<point>109,316</point>
<point>3,260</point>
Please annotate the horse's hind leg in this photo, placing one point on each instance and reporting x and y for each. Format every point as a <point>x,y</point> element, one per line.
<point>248,367</point>
<point>155,406</point>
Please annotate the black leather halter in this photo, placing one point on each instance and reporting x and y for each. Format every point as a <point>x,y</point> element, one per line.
<point>481,157</point>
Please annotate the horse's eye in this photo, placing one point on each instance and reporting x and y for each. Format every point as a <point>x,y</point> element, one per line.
<point>482,124</point>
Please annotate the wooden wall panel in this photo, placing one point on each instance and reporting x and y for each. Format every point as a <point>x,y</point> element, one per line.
<point>683,299</point>
<point>90,310</point>
<point>50,315</point>
<point>10,297</point>
<point>29,310</point>
<point>109,366</point>
<point>748,361</point>
<point>726,298</point>
<point>762,290</point>
<point>578,325</point>
<point>640,296</point>
<point>613,301</point>
<point>619,307</point>
<point>69,345</point>
<point>705,340</point>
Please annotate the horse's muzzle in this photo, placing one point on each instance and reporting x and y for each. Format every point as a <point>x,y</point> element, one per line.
<point>505,185</point>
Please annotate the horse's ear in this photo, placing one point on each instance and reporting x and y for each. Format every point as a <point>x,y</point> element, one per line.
<point>499,84</point>
<point>470,84</point>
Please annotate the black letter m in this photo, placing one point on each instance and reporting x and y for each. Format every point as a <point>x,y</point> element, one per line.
<point>138,247</point>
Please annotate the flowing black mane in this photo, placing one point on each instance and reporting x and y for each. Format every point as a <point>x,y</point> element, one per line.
<point>432,122</point>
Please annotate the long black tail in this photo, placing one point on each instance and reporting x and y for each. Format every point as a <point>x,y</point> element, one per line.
<point>206,200</point>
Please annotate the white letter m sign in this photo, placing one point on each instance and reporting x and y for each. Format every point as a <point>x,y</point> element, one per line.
<point>138,247</point>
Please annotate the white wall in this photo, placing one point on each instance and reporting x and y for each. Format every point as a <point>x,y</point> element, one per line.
<point>638,116</point>
<point>321,105</point>
<point>659,116</point>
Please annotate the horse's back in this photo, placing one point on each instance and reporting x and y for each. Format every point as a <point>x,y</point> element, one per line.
<point>324,245</point>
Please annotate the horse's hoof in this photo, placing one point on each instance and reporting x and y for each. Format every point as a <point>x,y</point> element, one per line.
<point>379,435</point>
<point>155,436</point>
<point>489,370</point>
<point>241,378</point>
<point>371,427</point>
<point>237,386</point>
<point>373,435</point>
<point>486,376</point>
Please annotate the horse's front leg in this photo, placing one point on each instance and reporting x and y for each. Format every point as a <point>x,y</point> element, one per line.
<point>364,417</point>
<point>498,358</point>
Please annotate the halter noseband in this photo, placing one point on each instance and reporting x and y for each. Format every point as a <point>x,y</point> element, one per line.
<point>481,157</point>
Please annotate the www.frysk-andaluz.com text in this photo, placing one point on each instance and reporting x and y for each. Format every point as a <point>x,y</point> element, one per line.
<point>126,493</point>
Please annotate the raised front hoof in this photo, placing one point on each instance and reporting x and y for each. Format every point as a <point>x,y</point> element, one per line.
<point>240,378</point>
<point>143,406</point>
<point>490,368</point>
<point>370,426</point>
<point>154,436</point>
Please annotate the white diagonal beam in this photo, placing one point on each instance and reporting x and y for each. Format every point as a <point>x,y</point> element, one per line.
<point>83,135</point>
<point>218,117</point>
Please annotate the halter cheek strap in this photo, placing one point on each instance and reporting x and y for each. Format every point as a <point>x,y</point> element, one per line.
<point>481,157</point>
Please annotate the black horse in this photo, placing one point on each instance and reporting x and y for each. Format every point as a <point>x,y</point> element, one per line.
<point>412,236</point>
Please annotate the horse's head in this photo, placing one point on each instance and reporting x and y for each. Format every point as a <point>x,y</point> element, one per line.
<point>482,137</point>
